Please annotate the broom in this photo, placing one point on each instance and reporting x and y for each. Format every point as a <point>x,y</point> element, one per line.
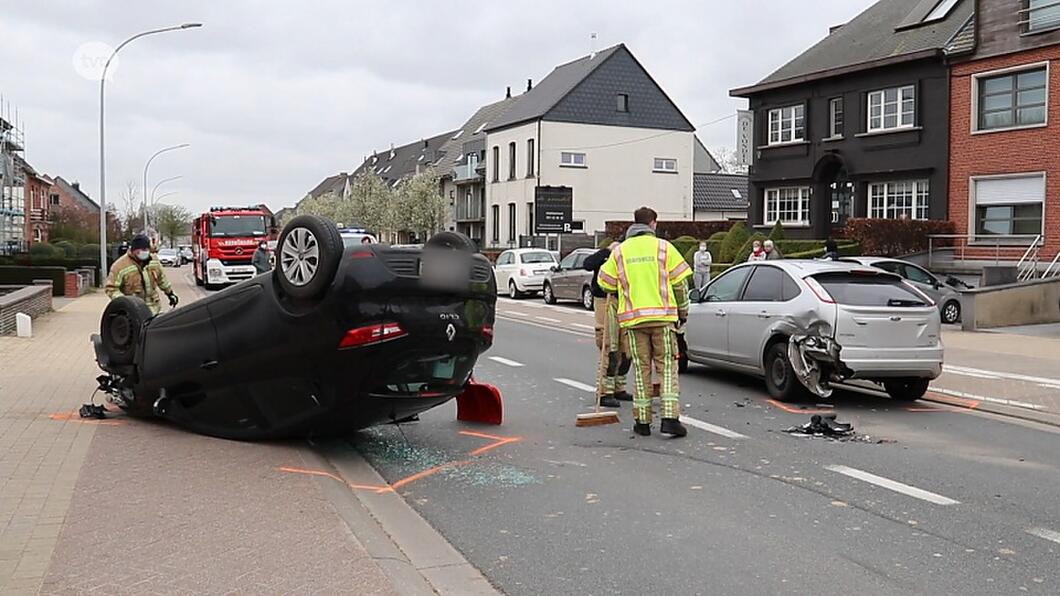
<point>597,418</point>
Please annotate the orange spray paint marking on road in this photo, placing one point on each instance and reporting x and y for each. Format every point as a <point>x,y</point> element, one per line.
<point>498,441</point>
<point>76,417</point>
<point>373,487</point>
<point>791,410</point>
<point>427,472</point>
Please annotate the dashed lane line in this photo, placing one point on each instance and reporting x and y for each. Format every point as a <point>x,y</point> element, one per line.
<point>506,362</point>
<point>994,400</point>
<point>894,485</point>
<point>548,320</point>
<point>576,385</point>
<point>584,326</point>
<point>543,326</point>
<point>1046,534</point>
<point>711,428</point>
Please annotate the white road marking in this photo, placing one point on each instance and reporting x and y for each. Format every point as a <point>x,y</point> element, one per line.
<point>971,374</point>
<point>506,362</point>
<point>543,326</point>
<point>710,428</point>
<point>994,400</point>
<point>532,305</point>
<point>584,326</point>
<point>1043,381</point>
<point>894,485</point>
<point>576,385</point>
<point>548,320</point>
<point>1046,534</point>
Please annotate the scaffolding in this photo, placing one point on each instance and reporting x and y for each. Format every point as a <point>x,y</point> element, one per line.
<point>12,182</point>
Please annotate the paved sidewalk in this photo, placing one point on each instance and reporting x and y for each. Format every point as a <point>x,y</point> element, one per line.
<point>128,506</point>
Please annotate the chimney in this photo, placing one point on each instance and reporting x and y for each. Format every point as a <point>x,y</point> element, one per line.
<point>508,94</point>
<point>424,144</point>
<point>76,185</point>
<point>833,29</point>
<point>529,84</point>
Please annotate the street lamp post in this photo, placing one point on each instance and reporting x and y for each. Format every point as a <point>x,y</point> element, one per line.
<point>102,154</point>
<point>160,183</point>
<point>148,165</point>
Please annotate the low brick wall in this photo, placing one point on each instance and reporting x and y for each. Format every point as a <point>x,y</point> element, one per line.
<point>32,300</point>
<point>73,285</point>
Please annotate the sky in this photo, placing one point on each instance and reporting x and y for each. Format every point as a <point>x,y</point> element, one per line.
<point>274,96</point>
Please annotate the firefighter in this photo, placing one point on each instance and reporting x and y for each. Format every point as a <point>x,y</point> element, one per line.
<point>137,274</point>
<point>614,361</point>
<point>649,276</point>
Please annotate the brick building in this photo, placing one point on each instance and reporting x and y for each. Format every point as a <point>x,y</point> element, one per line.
<point>1005,125</point>
<point>38,205</point>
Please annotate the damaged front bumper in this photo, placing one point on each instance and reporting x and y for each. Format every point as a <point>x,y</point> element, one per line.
<point>816,362</point>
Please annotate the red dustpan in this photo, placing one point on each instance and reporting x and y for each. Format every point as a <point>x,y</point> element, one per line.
<point>480,402</point>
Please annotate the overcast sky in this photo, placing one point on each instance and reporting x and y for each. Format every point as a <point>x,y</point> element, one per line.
<point>274,96</point>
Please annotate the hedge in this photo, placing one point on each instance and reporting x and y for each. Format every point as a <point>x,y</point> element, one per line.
<point>734,240</point>
<point>718,236</point>
<point>894,237</point>
<point>25,276</point>
<point>845,250</point>
<point>672,230</point>
<point>67,264</point>
<point>777,233</point>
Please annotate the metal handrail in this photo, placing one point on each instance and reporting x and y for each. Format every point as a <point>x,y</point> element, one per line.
<point>1049,271</point>
<point>1032,249</point>
<point>997,242</point>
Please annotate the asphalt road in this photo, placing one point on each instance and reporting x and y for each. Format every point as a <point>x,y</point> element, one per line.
<point>929,500</point>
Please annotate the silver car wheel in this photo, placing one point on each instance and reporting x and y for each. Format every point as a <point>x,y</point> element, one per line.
<point>300,257</point>
<point>587,299</point>
<point>546,293</point>
<point>951,312</point>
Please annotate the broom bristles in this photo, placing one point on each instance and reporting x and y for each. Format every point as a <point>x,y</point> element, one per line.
<point>597,419</point>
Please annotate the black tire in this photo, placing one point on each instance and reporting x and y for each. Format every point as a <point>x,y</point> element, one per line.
<point>781,382</point>
<point>547,295</point>
<point>587,298</point>
<point>121,328</point>
<point>310,249</point>
<point>906,389</point>
<point>452,241</point>
<point>951,312</point>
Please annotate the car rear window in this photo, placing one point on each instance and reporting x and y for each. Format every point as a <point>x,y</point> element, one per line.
<point>869,290</point>
<point>537,257</point>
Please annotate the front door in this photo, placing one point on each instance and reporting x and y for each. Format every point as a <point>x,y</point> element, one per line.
<point>842,191</point>
<point>707,332</point>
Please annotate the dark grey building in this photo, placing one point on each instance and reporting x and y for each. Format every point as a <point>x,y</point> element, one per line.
<point>858,125</point>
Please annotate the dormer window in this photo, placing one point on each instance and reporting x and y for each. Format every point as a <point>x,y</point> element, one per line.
<point>1040,15</point>
<point>941,10</point>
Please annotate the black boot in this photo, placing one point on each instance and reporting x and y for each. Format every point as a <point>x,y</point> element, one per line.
<point>623,396</point>
<point>642,428</point>
<point>673,427</point>
<point>608,401</point>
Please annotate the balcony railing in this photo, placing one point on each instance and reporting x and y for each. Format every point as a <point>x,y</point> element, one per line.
<point>466,173</point>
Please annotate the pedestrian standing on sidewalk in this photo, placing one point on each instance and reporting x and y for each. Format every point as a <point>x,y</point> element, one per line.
<point>701,265</point>
<point>772,252</point>
<point>137,274</point>
<point>614,360</point>
<point>650,278</point>
<point>261,258</point>
<point>757,254</point>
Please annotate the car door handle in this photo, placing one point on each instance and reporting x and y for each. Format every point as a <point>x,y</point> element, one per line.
<point>720,313</point>
<point>764,315</point>
<point>208,365</point>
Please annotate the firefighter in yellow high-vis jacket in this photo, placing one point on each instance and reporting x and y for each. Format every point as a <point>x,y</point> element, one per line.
<point>138,273</point>
<point>649,276</point>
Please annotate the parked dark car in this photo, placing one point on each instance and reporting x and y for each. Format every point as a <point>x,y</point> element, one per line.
<point>334,339</point>
<point>569,281</point>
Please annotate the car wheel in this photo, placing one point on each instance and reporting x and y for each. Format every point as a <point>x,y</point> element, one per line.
<point>452,241</point>
<point>906,389</point>
<point>310,250</point>
<point>781,382</point>
<point>513,292</point>
<point>951,312</point>
<point>587,298</point>
<point>546,293</point>
<point>120,329</point>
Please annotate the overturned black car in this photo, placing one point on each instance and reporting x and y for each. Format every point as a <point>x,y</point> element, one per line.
<point>333,340</point>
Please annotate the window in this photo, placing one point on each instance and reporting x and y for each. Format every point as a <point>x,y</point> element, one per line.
<point>511,160</point>
<point>529,219</point>
<point>529,158</point>
<point>511,222</point>
<point>727,287</point>
<point>665,164</point>
<point>766,285</point>
<point>869,290</point>
<point>572,160</point>
<point>569,262</point>
<point>1009,206</point>
<point>918,275</point>
<point>457,135</point>
<point>496,164</point>
<point>481,127</point>
<point>787,205</point>
<point>1012,100</point>
<point>506,258</point>
<point>906,199</point>
<point>892,109</point>
<point>942,9</point>
<point>1040,15</point>
<point>787,125</point>
<point>622,102</point>
<point>835,117</point>
<point>495,215</point>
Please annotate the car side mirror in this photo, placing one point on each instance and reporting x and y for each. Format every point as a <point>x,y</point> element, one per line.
<point>693,295</point>
<point>555,268</point>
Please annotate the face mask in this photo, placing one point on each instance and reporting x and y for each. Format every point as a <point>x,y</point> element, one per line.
<point>702,248</point>
<point>143,255</point>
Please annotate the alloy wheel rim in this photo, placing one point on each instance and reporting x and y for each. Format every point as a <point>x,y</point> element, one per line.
<point>587,299</point>
<point>951,312</point>
<point>548,293</point>
<point>511,289</point>
<point>300,257</point>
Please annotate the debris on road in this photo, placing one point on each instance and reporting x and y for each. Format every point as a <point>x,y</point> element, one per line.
<point>93,411</point>
<point>823,426</point>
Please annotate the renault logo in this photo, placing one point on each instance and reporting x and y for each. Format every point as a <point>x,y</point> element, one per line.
<point>450,331</point>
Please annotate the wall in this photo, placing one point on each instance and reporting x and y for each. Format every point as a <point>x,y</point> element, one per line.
<point>1004,152</point>
<point>31,300</point>
<point>1029,303</point>
<point>1000,31</point>
<point>519,190</point>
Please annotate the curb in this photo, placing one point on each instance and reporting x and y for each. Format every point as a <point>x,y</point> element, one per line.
<point>1038,416</point>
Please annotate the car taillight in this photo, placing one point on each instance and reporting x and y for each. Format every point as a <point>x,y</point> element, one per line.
<point>818,289</point>
<point>487,332</point>
<point>369,335</point>
<point>927,299</point>
<point>362,254</point>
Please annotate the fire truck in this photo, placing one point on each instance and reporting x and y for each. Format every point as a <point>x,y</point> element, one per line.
<point>224,240</point>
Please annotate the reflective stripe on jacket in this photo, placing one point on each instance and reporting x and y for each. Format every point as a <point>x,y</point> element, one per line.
<point>649,274</point>
<point>128,278</point>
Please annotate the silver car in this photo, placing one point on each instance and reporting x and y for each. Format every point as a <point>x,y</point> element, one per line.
<point>945,296</point>
<point>569,280</point>
<point>809,324</point>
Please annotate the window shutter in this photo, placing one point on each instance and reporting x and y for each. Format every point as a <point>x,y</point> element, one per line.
<point>1024,189</point>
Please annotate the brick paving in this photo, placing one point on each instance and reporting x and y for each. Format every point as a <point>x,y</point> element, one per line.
<point>129,506</point>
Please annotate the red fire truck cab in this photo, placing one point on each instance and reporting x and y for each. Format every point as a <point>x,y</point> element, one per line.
<point>224,240</point>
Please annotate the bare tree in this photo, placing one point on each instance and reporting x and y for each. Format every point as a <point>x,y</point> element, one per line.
<point>129,214</point>
<point>728,161</point>
<point>172,221</point>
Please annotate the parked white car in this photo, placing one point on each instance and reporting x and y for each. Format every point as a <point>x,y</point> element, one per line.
<point>522,271</point>
<point>809,324</point>
<point>169,257</point>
